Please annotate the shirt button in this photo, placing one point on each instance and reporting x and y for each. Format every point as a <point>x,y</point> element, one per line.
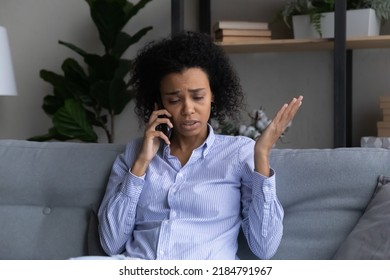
<point>162,253</point>
<point>173,214</point>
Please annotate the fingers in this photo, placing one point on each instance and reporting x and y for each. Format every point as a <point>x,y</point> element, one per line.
<point>153,134</point>
<point>157,118</point>
<point>157,115</point>
<point>288,111</point>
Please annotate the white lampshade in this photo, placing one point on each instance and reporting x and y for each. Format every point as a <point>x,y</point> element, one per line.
<point>7,79</point>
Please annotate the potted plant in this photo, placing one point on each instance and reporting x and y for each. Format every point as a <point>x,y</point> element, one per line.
<point>317,17</point>
<point>91,96</point>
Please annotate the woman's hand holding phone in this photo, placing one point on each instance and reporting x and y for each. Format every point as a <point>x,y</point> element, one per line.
<point>151,142</point>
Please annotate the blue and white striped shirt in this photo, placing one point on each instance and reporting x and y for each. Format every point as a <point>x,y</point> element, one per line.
<point>193,211</point>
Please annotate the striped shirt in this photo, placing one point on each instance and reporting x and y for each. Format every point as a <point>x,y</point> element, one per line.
<point>193,211</point>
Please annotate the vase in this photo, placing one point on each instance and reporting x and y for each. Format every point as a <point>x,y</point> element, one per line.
<point>362,22</point>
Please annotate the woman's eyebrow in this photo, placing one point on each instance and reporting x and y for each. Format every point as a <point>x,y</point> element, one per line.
<point>195,90</point>
<point>177,92</point>
<point>170,93</point>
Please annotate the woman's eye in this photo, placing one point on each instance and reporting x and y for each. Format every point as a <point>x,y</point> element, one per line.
<point>173,101</point>
<point>198,97</point>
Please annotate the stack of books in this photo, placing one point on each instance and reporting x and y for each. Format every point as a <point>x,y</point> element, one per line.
<point>384,125</point>
<point>241,31</point>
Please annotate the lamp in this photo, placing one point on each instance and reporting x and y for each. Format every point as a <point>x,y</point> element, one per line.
<point>7,79</point>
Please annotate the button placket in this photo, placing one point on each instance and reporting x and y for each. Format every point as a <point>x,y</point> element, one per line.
<point>172,195</point>
<point>163,243</point>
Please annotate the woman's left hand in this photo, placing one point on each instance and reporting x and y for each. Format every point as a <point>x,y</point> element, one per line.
<point>272,133</point>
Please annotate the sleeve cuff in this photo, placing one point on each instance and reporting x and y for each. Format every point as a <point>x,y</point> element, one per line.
<point>132,185</point>
<point>264,186</point>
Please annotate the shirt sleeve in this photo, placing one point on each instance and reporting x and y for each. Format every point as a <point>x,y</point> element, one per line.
<point>118,208</point>
<point>261,210</point>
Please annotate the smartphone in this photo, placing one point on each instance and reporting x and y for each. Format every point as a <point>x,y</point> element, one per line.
<point>163,127</point>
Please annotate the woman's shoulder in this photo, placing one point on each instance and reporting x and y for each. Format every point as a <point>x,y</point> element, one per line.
<point>235,140</point>
<point>133,145</point>
<point>238,147</point>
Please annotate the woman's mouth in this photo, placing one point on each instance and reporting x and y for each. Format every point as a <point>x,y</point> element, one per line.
<point>190,124</point>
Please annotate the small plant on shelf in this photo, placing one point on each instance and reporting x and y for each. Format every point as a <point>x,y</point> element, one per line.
<point>314,9</point>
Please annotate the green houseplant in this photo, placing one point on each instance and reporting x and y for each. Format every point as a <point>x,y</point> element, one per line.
<point>315,8</point>
<point>83,99</point>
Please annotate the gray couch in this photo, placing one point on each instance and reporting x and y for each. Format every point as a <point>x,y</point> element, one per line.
<point>49,194</point>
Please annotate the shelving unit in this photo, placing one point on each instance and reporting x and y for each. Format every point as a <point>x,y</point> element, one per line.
<point>342,52</point>
<point>294,45</point>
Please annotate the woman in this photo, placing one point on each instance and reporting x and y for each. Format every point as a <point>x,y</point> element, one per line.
<point>183,192</point>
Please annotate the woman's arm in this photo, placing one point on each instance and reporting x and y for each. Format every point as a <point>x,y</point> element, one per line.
<point>262,212</point>
<point>118,208</point>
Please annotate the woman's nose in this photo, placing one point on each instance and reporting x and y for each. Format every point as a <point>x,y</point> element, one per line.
<point>188,107</point>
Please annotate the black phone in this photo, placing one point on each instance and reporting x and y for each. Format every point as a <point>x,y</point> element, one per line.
<point>163,127</point>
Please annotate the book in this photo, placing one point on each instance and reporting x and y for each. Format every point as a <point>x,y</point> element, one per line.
<point>384,98</point>
<point>242,32</point>
<point>383,132</point>
<point>384,105</point>
<point>228,24</point>
<point>386,111</point>
<point>383,124</point>
<point>386,118</point>
<point>232,39</point>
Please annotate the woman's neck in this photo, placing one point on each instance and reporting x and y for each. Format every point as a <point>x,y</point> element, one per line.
<point>182,147</point>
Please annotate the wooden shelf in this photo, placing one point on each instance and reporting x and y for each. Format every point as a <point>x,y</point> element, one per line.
<point>291,45</point>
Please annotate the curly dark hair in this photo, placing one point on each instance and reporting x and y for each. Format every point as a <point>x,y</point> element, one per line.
<point>174,55</point>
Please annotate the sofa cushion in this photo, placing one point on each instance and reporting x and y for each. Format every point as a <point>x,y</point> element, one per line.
<point>36,232</point>
<point>370,238</point>
<point>47,192</point>
<point>324,192</point>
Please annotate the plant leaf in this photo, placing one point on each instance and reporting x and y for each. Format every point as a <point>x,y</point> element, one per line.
<point>51,135</point>
<point>124,41</point>
<point>74,48</point>
<point>100,90</point>
<point>109,18</point>
<point>101,68</point>
<point>131,10</point>
<point>51,104</point>
<point>119,97</point>
<point>78,82</point>
<point>71,121</point>
<point>112,95</point>
<point>58,82</point>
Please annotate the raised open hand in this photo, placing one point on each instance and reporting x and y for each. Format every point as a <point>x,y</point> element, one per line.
<point>272,133</point>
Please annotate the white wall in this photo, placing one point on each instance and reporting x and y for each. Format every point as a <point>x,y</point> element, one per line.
<point>269,79</point>
<point>34,28</point>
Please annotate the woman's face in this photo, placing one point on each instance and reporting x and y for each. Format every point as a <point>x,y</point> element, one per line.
<point>187,96</point>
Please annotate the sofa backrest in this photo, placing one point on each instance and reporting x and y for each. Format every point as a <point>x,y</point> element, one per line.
<point>48,192</point>
<point>324,192</point>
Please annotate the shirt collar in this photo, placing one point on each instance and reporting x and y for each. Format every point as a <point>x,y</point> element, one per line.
<point>204,149</point>
<point>209,141</point>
